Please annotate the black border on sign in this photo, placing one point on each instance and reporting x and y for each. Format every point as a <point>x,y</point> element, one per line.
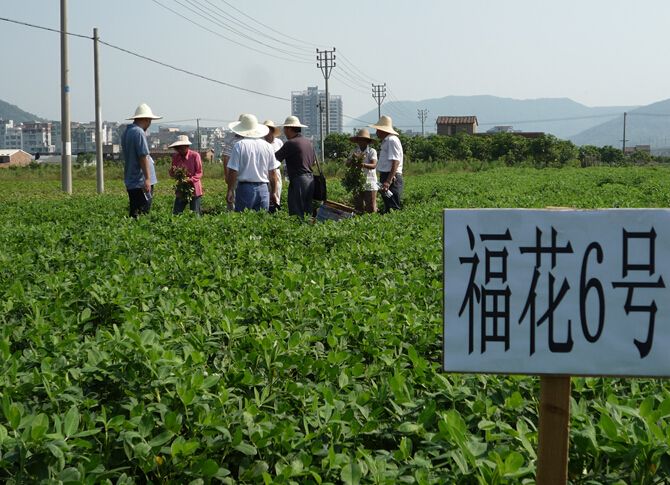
<point>540,374</point>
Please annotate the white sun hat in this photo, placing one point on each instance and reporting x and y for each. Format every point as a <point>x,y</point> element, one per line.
<point>385,124</point>
<point>293,122</point>
<point>274,128</point>
<point>249,127</point>
<point>144,111</point>
<point>181,141</point>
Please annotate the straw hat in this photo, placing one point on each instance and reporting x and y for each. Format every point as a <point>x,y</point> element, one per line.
<point>144,111</point>
<point>271,124</point>
<point>363,134</point>
<point>249,127</point>
<point>181,140</point>
<point>293,122</point>
<point>385,124</point>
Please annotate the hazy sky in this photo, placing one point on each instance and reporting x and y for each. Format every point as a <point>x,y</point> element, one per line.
<point>597,52</point>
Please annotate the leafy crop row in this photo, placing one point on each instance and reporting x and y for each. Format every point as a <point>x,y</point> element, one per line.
<point>249,348</point>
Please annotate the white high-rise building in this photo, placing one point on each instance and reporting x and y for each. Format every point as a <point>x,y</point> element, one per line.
<point>304,105</point>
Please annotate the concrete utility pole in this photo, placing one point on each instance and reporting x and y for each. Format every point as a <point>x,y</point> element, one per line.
<point>99,163</point>
<point>423,115</point>
<point>326,62</point>
<point>379,93</point>
<point>623,148</point>
<point>66,158</point>
<point>319,105</point>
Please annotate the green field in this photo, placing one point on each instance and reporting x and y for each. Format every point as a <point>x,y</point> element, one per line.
<point>249,348</point>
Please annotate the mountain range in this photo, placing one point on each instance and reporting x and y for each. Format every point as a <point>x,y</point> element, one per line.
<point>562,117</point>
<point>12,112</point>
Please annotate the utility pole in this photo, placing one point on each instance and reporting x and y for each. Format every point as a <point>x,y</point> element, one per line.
<point>66,153</point>
<point>379,93</point>
<point>623,149</point>
<point>99,163</point>
<point>423,115</point>
<point>197,121</point>
<point>326,62</point>
<point>319,105</point>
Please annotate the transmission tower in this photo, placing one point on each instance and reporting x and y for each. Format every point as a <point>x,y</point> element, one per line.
<point>326,62</point>
<point>379,93</point>
<point>423,115</point>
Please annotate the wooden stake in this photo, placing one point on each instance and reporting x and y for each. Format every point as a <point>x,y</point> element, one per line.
<point>553,440</point>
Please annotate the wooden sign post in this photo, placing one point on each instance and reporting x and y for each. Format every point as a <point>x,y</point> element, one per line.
<point>554,430</point>
<point>527,292</point>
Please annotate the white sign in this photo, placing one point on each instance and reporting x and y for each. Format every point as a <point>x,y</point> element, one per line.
<point>557,291</point>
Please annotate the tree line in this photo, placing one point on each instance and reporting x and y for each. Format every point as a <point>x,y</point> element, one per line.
<point>508,148</point>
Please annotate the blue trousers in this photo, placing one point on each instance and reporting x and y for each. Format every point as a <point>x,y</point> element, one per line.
<point>252,195</point>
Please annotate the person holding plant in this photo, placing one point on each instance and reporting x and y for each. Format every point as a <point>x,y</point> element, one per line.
<point>364,157</point>
<point>187,170</point>
<point>389,165</point>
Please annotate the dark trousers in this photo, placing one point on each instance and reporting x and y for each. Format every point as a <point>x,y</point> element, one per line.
<point>139,201</point>
<point>300,193</point>
<point>393,202</point>
<point>180,205</point>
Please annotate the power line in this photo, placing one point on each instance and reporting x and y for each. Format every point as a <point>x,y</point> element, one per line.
<point>207,14</point>
<point>268,27</point>
<point>26,24</point>
<point>200,76</point>
<point>218,34</point>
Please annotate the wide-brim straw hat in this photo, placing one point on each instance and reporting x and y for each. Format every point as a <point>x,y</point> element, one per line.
<point>182,140</point>
<point>144,111</point>
<point>385,124</point>
<point>293,122</point>
<point>275,129</point>
<point>248,127</point>
<point>363,134</point>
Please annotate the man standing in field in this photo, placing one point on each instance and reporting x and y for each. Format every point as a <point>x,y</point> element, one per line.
<point>299,155</point>
<point>252,167</point>
<point>137,168</point>
<point>389,164</point>
<point>273,139</point>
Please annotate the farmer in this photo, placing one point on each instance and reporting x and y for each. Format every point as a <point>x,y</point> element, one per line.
<point>190,161</point>
<point>366,157</point>
<point>273,139</point>
<point>299,155</point>
<point>229,141</point>
<point>252,167</point>
<point>137,168</point>
<point>390,164</point>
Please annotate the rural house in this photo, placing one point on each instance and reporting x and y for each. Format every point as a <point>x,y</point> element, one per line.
<point>451,125</point>
<point>14,158</point>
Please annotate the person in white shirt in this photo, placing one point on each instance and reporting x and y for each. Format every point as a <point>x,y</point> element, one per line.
<point>389,165</point>
<point>252,167</point>
<point>273,139</point>
<point>365,156</point>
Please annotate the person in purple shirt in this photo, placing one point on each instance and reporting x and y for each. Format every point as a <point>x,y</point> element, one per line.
<point>137,168</point>
<point>299,155</point>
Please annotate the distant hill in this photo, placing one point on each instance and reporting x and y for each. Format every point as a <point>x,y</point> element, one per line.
<point>648,125</point>
<point>11,112</point>
<point>544,114</point>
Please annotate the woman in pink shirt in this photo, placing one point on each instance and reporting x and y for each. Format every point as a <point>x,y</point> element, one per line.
<point>189,160</point>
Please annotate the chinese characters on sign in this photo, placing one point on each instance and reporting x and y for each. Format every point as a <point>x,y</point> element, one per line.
<point>557,292</point>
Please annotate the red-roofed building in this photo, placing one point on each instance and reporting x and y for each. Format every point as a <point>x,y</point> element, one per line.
<point>451,125</point>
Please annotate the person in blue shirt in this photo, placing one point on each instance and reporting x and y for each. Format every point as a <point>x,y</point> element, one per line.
<point>138,174</point>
